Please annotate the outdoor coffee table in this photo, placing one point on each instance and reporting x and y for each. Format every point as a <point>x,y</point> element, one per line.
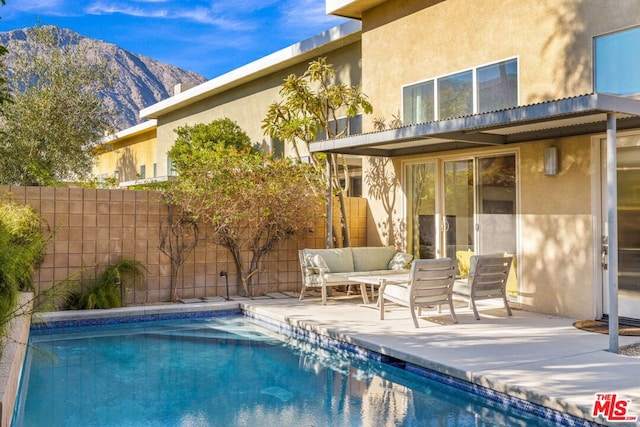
<point>380,281</point>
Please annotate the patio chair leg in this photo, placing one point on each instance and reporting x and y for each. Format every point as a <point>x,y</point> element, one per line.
<point>413,314</point>
<point>452,311</point>
<point>475,310</point>
<point>324,295</point>
<point>506,305</point>
<point>302,293</point>
<point>381,302</point>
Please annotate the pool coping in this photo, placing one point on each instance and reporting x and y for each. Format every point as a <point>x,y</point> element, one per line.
<point>12,359</point>
<point>500,393</point>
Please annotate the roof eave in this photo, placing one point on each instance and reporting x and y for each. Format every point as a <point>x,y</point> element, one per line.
<point>328,40</point>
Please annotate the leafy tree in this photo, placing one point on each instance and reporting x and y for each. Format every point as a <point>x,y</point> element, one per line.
<point>311,103</point>
<point>57,111</point>
<point>248,202</point>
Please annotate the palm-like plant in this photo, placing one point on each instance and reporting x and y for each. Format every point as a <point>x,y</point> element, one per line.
<point>108,291</point>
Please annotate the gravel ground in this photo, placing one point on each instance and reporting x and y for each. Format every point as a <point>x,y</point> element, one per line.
<point>631,350</point>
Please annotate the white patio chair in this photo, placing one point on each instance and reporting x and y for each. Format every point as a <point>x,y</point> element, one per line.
<point>430,283</point>
<point>487,279</point>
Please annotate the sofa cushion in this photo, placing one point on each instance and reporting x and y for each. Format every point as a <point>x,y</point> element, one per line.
<point>400,261</point>
<point>338,260</point>
<point>372,258</point>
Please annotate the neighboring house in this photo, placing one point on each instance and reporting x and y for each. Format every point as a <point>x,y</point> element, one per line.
<point>506,106</point>
<point>244,94</point>
<point>129,156</point>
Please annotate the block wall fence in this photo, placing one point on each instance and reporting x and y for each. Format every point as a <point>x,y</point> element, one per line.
<point>95,228</point>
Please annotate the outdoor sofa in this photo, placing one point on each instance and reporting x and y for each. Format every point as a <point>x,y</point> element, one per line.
<point>324,268</point>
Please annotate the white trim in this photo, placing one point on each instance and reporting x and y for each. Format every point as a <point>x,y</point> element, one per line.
<point>474,85</point>
<point>596,226</point>
<point>133,130</point>
<point>343,34</point>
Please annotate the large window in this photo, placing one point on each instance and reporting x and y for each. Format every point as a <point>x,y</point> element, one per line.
<point>497,86</point>
<point>617,63</point>
<point>478,90</point>
<point>418,103</point>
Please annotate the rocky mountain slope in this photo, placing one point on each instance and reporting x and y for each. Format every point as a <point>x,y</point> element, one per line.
<point>140,81</point>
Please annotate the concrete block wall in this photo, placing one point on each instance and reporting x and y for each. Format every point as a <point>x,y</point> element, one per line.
<point>95,228</point>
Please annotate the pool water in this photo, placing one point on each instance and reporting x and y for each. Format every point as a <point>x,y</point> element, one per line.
<point>229,371</point>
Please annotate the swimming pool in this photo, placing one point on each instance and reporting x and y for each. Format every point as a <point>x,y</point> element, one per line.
<point>232,371</point>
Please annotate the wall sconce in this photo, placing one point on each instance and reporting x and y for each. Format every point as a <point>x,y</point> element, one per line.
<point>551,161</point>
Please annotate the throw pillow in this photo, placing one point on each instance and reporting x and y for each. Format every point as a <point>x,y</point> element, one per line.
<point>320,263</point>
<point>400,261</point>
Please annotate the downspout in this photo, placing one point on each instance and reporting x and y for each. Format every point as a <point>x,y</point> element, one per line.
<point>612,220</point>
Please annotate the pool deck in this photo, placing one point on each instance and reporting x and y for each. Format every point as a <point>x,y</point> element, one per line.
<point>536,357</point>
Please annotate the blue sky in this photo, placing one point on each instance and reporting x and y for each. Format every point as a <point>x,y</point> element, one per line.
<point>208,37</point>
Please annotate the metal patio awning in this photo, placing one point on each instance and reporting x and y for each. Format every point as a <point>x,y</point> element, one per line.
<point>580,115</point>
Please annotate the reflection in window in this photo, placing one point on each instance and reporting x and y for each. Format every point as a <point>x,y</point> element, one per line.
<point>421,204</point>
<point>498,86</point>
<point>496,191</point>
<point>617,63</point>
<point>495,86</point>
<point>418,103</point>
<point>455,95</point>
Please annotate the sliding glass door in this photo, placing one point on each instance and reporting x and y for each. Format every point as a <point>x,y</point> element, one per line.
<point>457,227</point>
<point>461,205</point>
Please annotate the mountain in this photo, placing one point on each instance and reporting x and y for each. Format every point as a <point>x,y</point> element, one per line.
<point>140,81</point>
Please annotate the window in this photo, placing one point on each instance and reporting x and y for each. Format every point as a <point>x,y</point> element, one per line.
<point>355,127</point>
<point>455,95</point>
<point>478,90</point>
<point>418,103</point>
<point>155,170</point>
<point>143,171</point>
<point>171,170</point>
<point>617,64</point>
<point>497,86</point>
<point>277,148</point>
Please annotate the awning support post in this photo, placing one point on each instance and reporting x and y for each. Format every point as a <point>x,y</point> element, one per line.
<point>329,204</point>
<point>612,220</point>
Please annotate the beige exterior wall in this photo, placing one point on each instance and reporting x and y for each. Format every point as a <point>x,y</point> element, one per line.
<point>555,223</point>
<point>247,104</point>
<point>127,154</point>
<point>404,42</point>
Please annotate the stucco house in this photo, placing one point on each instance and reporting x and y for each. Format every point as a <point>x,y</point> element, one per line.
<point>510,111</point>
<point>506,107</point>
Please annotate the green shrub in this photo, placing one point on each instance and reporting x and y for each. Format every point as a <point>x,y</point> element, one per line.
<point>107,291</point>
<point>21,251</point>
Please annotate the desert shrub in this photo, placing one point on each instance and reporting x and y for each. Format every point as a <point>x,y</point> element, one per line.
<point>21,251</point>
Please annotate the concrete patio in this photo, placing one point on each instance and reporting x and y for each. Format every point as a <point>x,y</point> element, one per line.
<point>537,357</point>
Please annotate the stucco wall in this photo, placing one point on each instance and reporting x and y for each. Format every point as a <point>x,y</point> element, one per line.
<point>555,222</point>
<point>97,228</point>
<point>127,155</point>
<point>556,230</point>
<point>405,42</point>
<point>247,104</point>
